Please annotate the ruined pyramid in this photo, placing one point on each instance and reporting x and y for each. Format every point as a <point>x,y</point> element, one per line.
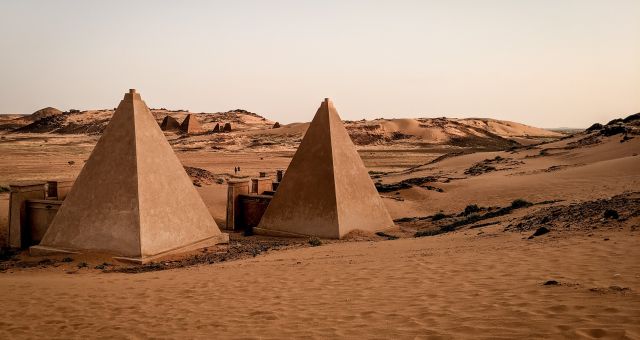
<point>327,191</point>
<point>132,198</point>
<point>216,128</point>
<point>169,124</point>
<point>190,125</point>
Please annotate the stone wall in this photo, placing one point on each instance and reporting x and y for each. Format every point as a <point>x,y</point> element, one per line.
<point>4,220</point>
<point>39,215</point>
<point>252,208</point>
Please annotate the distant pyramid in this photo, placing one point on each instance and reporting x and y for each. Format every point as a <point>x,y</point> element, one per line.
<point>216,128</point>
<point>190,125</point>
<point>133,198</point>
<point>326,191</point>
<point>169,124</point>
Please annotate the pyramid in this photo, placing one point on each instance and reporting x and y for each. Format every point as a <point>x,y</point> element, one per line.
<point>190,125</point>
<point>169,124</point>
<point>326,191</point>
<point>132,198</point>
<point>216,128</point>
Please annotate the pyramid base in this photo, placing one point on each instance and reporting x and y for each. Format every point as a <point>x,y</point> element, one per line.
<point>279,233</point>
<point>47,251</point>
<point>212,241</point>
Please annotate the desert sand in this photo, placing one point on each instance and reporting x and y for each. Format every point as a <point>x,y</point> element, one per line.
<point>483,278</point>
<point>453,286</point>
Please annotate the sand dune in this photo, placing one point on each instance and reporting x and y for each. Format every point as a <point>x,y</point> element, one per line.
<point>445,128</point>
<point>508,128</point>
<point>428,130</point>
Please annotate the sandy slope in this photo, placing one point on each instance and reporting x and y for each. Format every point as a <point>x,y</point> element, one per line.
<point>507,128</point>
<point>453,286</point>
<point>585,173</point>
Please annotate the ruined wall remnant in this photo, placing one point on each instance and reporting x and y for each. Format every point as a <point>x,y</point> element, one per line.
<point>32,207</point>
<point>18,222</point>
<point>40,214</point>
<point>58,189</point>
<point>260,185</point>
<point>252,208</point>
<point>235,188</point>
<point>247,200</point>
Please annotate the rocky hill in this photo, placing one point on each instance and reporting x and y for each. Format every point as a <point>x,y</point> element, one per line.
<point>43,113</point>
<point>252,131</point>
<point>16,121</point>
<point>50,120</point>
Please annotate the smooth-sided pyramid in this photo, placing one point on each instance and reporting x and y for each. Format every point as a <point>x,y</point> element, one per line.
<point>326,191</point>
<point>132,198</point>
<point>169,124</point>
<point>190,125</point>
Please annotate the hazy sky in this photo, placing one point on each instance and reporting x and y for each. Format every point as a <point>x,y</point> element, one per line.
<point>545,63</point>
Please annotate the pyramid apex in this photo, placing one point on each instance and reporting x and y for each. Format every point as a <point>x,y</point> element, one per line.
<point>132,95</point>
<point>327,104</point>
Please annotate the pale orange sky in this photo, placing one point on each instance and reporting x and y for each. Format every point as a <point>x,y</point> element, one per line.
<point>544,63</point>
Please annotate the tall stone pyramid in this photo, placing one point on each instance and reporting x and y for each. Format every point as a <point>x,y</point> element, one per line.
<point>169,124</point>
<point>190,125</point>
<point>132,198</point>
<point>326,191</point>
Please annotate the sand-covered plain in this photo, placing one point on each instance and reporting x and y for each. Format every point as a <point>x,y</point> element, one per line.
<point>459,285</point>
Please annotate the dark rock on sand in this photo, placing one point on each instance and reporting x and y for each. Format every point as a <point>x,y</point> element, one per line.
<point>540,231</point>
<point>612,214</point>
